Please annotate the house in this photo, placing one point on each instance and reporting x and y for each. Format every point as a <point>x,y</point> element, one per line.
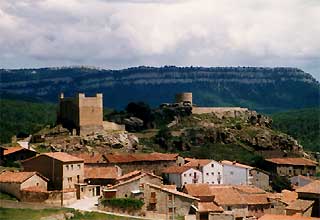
<point>63,170</point>
<point>204,209</point>
<point>259,178</point>
<point>182,175</point>
<point>211,170</point>
<point>166,202</point>
<point>235,173</point>
<point>311,192</point>
<point>131,187</point>
<point>287,166</point>
<point>152,163</point>
<point>298,181</point>
<point>17,153</point>
<point>92,159</point>
<point>13,182</point>
<point>301,207</point>
<point>285,217</point>
<point>101,175</point>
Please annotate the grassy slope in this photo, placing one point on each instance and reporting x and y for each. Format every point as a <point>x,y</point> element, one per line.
<point>31,214</point>
<point>304,125</point>
<point>23,117</point>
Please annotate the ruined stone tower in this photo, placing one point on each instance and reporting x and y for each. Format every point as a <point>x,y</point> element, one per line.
<point>85,114</point>
<point>184,97</point>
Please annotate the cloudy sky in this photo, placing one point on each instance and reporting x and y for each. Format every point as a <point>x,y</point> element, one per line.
<point>117,34</point>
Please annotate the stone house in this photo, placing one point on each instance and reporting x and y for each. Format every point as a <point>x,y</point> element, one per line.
<point>259,178</point>
<point>235,173</point>
<point>92,159</point>
<point>182,175</point>
<point>63,170</point>
<point>211,170</point>
<point>18,153</point>
<point>152,163</point>
<point>300,207</point>
<point>101,175</point>
<point>13,182</point>
<point>298,181</point>
<point>204,209</point>
<point>167,202</point>
<point>311,192</point>
<point>292,166</point>
<point>132,187</point>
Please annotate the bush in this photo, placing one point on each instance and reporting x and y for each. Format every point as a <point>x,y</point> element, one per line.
<point>123,203</point>
<point>280,183</point>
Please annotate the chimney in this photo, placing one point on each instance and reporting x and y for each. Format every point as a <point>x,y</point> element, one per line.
<point>234,162</point>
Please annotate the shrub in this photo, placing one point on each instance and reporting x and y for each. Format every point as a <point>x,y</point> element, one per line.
<point>123,203</point>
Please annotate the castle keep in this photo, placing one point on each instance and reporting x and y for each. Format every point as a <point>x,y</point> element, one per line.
<point>84,114</point>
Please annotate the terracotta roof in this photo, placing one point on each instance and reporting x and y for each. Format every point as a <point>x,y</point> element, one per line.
<point>176,169</point>
<point>11,150</point>
<point>256,199</point>
<point>292,161</point>
<point>209,207</point>
<point>91,158</point>
<point>285,217</point>
<point>233,163</point>
<point>17,177</point>
<point>198,190</point>
<point>129,158</point>
<point>197,162</point>
<point>100,172</point>
<point>225,195</point>
<point>129,175</point>
<point>62,156</point>
<point>313,187</point>
<point>288,196</point>
<point>249,189</point>
<point>134,179</point>
<point>300,205</point>
<point>175,192</point>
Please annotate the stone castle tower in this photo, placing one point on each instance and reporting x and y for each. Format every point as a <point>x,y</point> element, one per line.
<point>84,114</point>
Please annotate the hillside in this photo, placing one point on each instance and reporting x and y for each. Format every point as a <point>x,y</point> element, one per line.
<point>304,125</point>
<point>23,117</point>
<point>261,89</point>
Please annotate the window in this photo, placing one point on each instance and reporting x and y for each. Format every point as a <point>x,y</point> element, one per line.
<point>79,166</point>
<point>71,166</point>
<point>212,173</point>
<point>229,208</point>
<point>170,197</point>
<point>218,173</point>
<point>212,182</point>
<point>67,166</point>
<point>207,174</point>
<point>69,179</point>
<point>81,189</point>
<point>212,165</point>
<point>185,182</point>
<point>231,172</point>
<point>37,184</point>
<point>185,174</point>
<point>190,174</point>
<point>172,210</point>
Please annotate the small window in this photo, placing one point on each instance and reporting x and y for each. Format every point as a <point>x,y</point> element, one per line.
<point>170,197</point>
<point>212,165</point>
<point>185,182</point>
<point>67,166</point>
<point>190,174</point>
<point>231,172</point>
<point>229,208</point>
<point>218,173</point>
<point>71,166</point>
<point>212,173</point>
<point>37,184</point>
<point>81,189</point>
<point>212,182</point>
<point>185,174</point>
<point>207,174</point>
<point>79,166</point>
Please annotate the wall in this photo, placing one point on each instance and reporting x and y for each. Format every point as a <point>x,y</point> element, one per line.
<point>111,126</point>
<point>298,181</point>
<point>234,175</point>
<point>11,188</point>
<point>210,173</point>
<point>72,173</point>
<point>237,210</point>
<point>259,179</point>
<point>258,210</point>
<point>222,111</point>
<point>289,170</point>
<point>188,177</point>
<point>48,167</point>
<point>35,180</point>
<point>220,216</point>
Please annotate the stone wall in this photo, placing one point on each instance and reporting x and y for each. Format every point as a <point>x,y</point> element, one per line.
<point>49,197</point>
<point>111,126</point>
<point>11,188</point>
<point>230,112</point>
<point>155,167</point>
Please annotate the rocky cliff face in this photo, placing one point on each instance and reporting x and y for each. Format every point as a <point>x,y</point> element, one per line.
<point>262,89</point>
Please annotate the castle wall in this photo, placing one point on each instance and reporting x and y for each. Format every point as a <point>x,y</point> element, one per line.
<point>184,97</point>
<point>221,111</point>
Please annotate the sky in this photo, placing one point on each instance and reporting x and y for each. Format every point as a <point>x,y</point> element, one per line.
<point>116,34</point>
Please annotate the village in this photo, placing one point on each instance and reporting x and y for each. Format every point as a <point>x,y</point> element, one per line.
<point>157,185</point>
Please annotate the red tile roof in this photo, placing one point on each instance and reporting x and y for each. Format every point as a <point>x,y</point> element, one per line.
<point>292,161</point>
<point>129,175</point>
<point>17,177</point>
<point>288,196</point>
<point>129,158</point>
<point>249,189</point>
<point>313,187</point>
<point>198,190</point>
<point>176,169</point>
<point>62,156</point>
<point>197,162</point>
<point>100,172</point>
<point>300,205</point>
<point>11,150</point>
<point>175,192</point>
<point>285,217</point>
<point>91,157</point>
<point>256,199</point>
<point>134,178</point>
<point>233,163</point>
<point>209,207</point>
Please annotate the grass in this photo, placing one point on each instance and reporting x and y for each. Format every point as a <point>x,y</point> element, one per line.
<point>6,196</point>
<point>31,214</point>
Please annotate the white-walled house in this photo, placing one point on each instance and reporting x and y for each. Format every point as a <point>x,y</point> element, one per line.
<point>181,175</point>
<point>211,170</point>
<point>236,173</point>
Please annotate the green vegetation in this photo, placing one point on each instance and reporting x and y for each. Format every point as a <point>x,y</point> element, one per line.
<point>6,196</point>
<point>22,118</point>
<point>304,125</point>
<point>123,203</point>
<point>31,214</point>
<point>279,183</point>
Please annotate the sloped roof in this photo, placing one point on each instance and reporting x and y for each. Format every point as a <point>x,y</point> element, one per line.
<point>91,157</point>
<point>197,162</point>
<point>234,163</point>
<point>285,217</point>
<point>64,157</point>
<point>292,161</point>
<point>313,187</point>
<point>249,189</point>
<point>256,199</point>
<point>129,158</point>
<point>17,177</point>
<point>134,178</point>
<point>176,169</point>
<point>198,190</point>
<point>129,175</point>
<point>100,172</point>
<point>175,192</point>
<point>11,150</point>
<point>227,196</point>
<point>300,205</point>
<point>288,196</point>
<point>209,207</point>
